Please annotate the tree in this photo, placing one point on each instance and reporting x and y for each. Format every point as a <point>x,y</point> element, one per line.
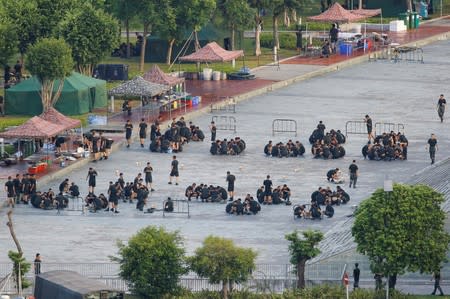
<point>402,231</point>
<point>197,13</point>
<point>50,60</point>
<point>222,262</point>
<point>24,16</point>
<point>92,34</point>
<point>238,16</point>
<point>279,7</point>
<point>174,31</point>
<point>152,262</point>
<point>20,265</point>
<point>8,42</point>
<point>259,6</point>
<point>123,11</point>
<point>303,249</point>
<point>153,14</point>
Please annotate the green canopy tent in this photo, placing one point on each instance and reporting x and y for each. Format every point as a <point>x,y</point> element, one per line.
<point>80,94</point>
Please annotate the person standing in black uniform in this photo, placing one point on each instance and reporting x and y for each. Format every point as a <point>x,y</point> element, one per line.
<point>353,168</point>
<point>356,273</point>
<point>267,190</point>
<point>174,171</point>
<point>142,131</point>
<point>213,129</point>
<point>230,180</point>
<point>148,176</point>
<point>10,192</point>
<point>91,178</point>
<point>95,146</point>
<point>432,147</point>
<point>441,107</point>
<point>369,125</point>
<point>128,132</point>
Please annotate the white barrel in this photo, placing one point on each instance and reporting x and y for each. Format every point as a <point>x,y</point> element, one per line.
<point>223,76</point>
<point>216,76</point>
<point>207,73</point>
<point>4,297</point>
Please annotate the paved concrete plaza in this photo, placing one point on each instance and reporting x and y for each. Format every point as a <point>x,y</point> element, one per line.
<point>399,93</point>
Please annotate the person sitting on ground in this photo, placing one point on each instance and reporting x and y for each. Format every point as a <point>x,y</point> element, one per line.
<point>326,49</point>
<point>342,195</point>
<point>260,194</point>
<point>74,190</point>
<point>268,148</point>
<point>190,192</point>
<point>280,150</point>
<point>141,195</point>
<point>300,211</point>
<point>315,211</point>
<point>61,202</point>
<point>329,210</point>
<point>168,206</point>
<point>338,177</point>
<point>331,173</point>
<point>64,186</point>
<point>237,207</point>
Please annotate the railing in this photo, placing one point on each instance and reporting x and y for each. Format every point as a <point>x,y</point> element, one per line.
<point>225,123</point>
<point>266,277</point>
<point>397,54</point>
<point>225,104</point>
<point>381,128</point>
<point>355,127</point>
<point>180,206</point>
<point>281,125</point>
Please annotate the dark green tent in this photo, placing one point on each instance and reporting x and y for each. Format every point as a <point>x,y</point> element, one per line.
<point>80,95</point>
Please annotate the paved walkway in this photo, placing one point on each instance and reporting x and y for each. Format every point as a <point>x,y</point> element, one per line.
<point>401,93</point>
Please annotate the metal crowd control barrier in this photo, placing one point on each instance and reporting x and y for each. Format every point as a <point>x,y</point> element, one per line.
<point>397,54</point>
<point>225,123</point>
<point>381,128</point>
<point>355,127</point>
<point>76,204</point>
<point>180,206</point>
<point>282,125</point>
<point>225,104</point>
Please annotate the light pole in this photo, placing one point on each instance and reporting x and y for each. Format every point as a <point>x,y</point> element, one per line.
<point>388,188</point>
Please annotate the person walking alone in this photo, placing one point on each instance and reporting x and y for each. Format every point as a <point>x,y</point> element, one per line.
<point>353,168</point>
<point>437,283</point>
<point>432,147</point>
<point>37,264</point>
<point>441,107</point>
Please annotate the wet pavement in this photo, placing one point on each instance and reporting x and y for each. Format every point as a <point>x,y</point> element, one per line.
<point>389,92</point>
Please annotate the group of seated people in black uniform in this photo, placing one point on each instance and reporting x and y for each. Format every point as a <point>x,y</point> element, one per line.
<point>387,147</point>
<point>275,196</point>
<point>174,137</point>
<point>49,201</point>
<point>280,150</point>
<point>206,193</point>
<point>249,207</point>
<point>227,147</point>
<point>320,197</point>
<point>327,145</point>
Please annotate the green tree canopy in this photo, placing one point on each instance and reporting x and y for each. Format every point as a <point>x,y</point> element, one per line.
<point>221,261</point>
<point>92,34</point>
<point>402,230</point>
<point>153,14</point>
<point>238,15</point>
<point>50,59</point>
<point>152,262</point>
<point>8,42</point>
<point>302,249</point>
<point>197,13</point>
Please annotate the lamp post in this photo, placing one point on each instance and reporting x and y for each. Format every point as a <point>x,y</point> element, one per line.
<point>388,188</point>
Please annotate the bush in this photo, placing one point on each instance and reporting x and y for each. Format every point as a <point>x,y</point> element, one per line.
<point>12,121</point>
<point>287,40</point>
